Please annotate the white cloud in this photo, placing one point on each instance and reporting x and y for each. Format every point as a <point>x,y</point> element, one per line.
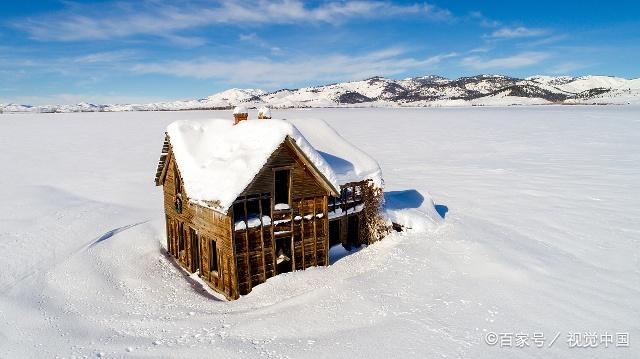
<point>96,22</point>
<point>483,20</point>
<point>268,72</point>
<point>516,32</point>
<point>104,57</point>
<point>523,59</point>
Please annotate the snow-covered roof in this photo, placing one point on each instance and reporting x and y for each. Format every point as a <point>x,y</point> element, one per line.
<point>348,162</point>
<point>218,160</point>
<point>240,109</point>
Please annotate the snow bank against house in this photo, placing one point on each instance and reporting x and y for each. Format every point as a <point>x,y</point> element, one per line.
<point>414,210</point>
<point>349,163</point>
<point>217,159</point>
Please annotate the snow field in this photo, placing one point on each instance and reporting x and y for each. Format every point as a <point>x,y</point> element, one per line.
<point>540,233</point>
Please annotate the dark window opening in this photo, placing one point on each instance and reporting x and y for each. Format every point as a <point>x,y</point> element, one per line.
<point>281,188</point>
<point>266,208</point>
<point>213,257</point>
<point>238,212</point>
<point>333,203</point>
<point>195,249</point>
<point>253,210</point>
<point>181,237</point>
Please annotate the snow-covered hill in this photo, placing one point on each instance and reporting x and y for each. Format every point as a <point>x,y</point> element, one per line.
<point>424,91</point>
<point>535,230</point>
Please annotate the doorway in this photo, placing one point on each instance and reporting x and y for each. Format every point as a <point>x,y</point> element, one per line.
<point>352,232</point>
<point>334,232</point>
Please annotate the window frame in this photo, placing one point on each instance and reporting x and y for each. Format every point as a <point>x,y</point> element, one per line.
<point>213,253</point>
<point>289,170</point>
<point>182,245</point>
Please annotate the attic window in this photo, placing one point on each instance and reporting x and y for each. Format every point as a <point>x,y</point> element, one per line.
<point>281,195</point>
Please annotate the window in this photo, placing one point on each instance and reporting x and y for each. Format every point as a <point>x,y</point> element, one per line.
<point>238,216</point>
<point>281,189</point>
<point>266,211</point>
<point>253,209</point>
<point>213,257</point>
<point>195,250</point>
<point>181,237</point>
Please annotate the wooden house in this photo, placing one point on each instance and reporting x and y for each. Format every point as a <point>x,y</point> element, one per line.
<point>246,200</point>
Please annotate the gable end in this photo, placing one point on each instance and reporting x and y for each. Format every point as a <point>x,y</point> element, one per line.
<point>164,160</point>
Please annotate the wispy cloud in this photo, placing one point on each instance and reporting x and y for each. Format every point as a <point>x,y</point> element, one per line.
<point>483,20</point>
<point>253,38</point>
<point>516,32</point>
<point>547,40</point>
<point>74,98</point>
<point>102,22</point>
<point>268,72</point>
<point>104,57</point>
<point>520,60</point>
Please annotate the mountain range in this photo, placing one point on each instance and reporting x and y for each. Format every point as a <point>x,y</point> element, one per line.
<point>424,91</point>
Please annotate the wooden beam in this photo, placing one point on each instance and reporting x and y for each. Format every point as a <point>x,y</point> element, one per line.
<point>315,234</point>
<point>246,238</point>
<point>264,261</point>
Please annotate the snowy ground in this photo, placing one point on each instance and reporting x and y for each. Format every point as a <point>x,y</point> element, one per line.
<point>541,234</point>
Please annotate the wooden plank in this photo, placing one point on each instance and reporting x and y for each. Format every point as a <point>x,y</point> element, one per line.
<point>264,269</point>
<point>246,235</point>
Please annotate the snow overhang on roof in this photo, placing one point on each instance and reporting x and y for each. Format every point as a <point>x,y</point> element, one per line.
<point>218,160</point>
<point>348,162</point>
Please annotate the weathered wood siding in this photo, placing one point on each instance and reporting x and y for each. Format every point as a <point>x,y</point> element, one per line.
<point>255,247</point>
<point>209,226</point>
<point>214,226</point>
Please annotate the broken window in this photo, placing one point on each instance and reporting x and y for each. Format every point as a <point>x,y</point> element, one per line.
<point>239,220</point>
<point>266,211</point>
<point>281,189</point>
<point>253,213</point>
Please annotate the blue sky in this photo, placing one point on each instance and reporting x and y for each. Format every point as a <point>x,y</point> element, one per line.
<point>141,51</point>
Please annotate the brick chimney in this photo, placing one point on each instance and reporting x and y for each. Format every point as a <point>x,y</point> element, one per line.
<point>240,113</point>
